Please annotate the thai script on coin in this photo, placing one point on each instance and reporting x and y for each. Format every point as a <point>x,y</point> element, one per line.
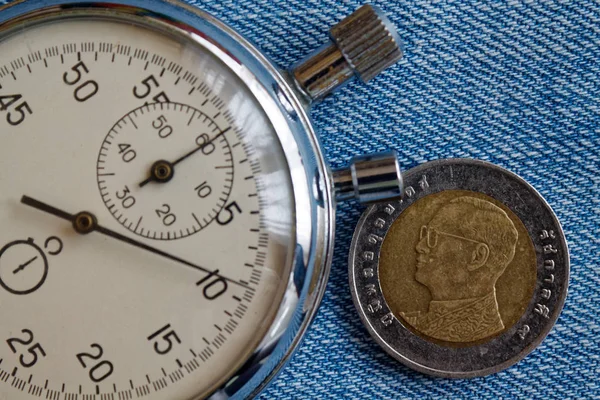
<point>463,277</point>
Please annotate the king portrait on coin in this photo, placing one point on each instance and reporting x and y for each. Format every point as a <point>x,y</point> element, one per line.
<point>460,264</point>
<point>464,244</point>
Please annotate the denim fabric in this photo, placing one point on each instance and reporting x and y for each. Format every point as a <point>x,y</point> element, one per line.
<point>516,83</point>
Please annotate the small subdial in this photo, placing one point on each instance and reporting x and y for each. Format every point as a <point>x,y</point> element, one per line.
<point>165,170</point>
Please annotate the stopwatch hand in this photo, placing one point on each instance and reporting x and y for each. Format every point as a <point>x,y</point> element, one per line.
<point>85,222</point>
<point>163,171</point>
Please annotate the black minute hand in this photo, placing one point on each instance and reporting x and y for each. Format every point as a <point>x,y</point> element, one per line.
<point>185,156</point>
<point>92,225</point>
<point>197,149</point>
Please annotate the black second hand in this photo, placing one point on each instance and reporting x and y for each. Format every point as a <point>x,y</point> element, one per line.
<point>28,201</point>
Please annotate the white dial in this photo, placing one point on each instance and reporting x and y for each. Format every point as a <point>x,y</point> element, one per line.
<point>93,304</point>
<point>162,198</point>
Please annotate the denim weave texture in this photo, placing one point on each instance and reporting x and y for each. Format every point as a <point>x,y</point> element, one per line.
<point>515,83</point>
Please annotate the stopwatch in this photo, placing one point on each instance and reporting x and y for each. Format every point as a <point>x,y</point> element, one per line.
<point>166,213</point>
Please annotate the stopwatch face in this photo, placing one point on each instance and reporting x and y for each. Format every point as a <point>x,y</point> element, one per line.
<point>146,210</point>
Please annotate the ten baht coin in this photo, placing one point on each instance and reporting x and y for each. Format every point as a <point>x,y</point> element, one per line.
<point>463,277</point>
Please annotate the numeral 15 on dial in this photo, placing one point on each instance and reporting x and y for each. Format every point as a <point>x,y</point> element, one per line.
<point>164,339</point>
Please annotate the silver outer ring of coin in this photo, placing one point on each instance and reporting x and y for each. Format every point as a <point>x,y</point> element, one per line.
<point>502,351</point>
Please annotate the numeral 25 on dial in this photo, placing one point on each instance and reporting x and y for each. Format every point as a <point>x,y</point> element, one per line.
<point>33,351</point>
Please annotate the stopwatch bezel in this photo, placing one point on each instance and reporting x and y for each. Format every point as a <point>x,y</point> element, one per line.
<point>309,173</point>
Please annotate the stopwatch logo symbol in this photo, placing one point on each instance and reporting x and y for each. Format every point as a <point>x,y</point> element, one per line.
<point>24,265</point>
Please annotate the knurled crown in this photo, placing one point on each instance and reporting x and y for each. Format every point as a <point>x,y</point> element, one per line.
<point>368,41</point>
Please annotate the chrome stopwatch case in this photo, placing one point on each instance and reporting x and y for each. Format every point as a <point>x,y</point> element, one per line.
<point>166,213</point>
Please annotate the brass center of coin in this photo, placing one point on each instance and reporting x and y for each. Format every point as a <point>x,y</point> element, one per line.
<point>458,267</point>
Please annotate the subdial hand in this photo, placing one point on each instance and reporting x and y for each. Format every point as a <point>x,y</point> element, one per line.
<point>85,222</point>
<point>23,266</point>
<point>163,171</point>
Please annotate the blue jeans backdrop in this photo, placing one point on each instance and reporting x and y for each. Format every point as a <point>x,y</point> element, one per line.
<point>515,83</point>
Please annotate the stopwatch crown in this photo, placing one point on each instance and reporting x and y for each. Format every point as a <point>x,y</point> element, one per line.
<point>364,44</point>
<point>370,178</point>
<point>368,41</point>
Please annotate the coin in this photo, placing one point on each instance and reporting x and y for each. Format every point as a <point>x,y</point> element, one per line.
<point>463,277</point>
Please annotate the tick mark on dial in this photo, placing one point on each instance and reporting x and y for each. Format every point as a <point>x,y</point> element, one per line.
<point>133,122</point>
<point>138,223</point>
<point>196,218</point>
<point>192,118</point>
